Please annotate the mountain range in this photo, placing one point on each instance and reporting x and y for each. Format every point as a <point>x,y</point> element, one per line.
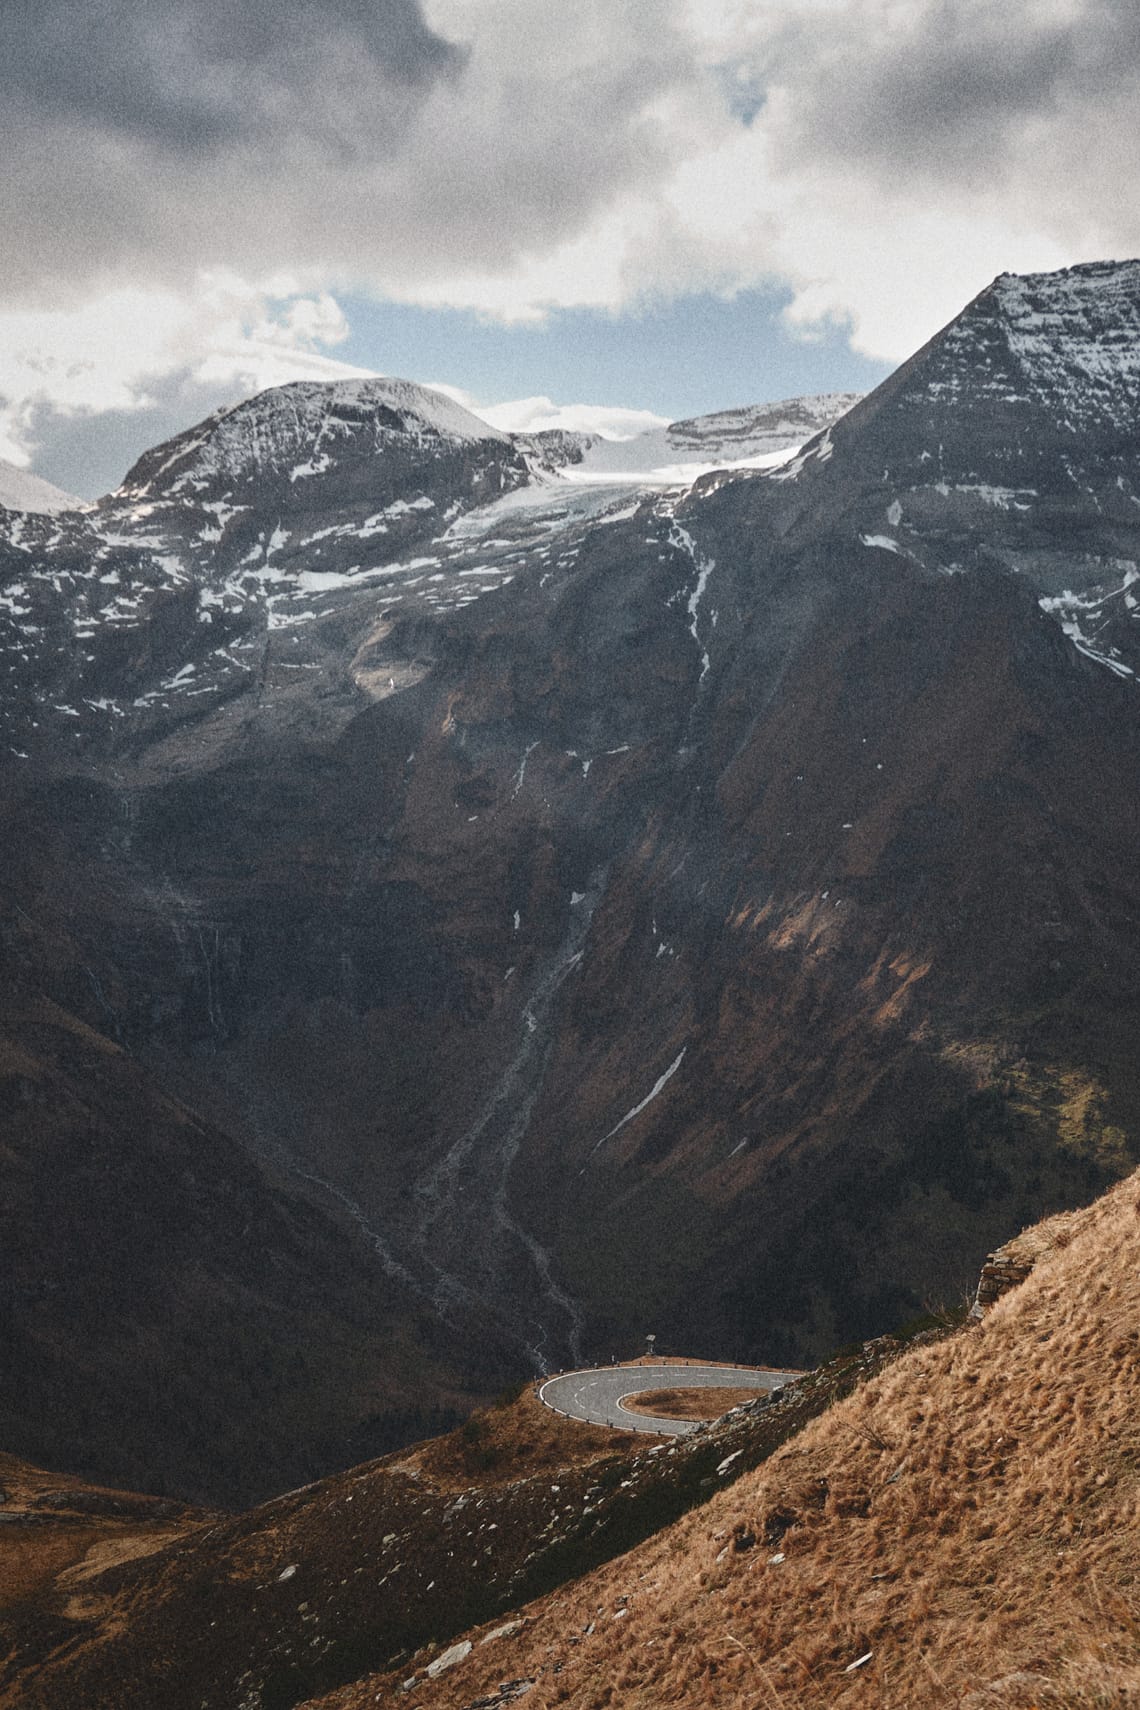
<point>473,900</point>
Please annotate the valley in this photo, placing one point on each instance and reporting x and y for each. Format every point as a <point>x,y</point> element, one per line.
<point>570,855</point>
<point>467,905</point>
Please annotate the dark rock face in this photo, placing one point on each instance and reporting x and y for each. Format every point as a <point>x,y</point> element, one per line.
<point>171,1315</point>
<point>240,542</point>
<point>1010,440</point>
<point>712,913</point>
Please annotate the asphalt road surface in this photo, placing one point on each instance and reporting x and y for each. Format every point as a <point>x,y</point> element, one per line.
<point>596,1396</point>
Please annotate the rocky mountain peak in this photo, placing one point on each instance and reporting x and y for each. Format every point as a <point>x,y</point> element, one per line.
<point>758,428</point>
<point>1060,351</point>
<point>1065,344</point>
<point>1076,337</point>
<point>1009,441</point>
<point>296,432</point>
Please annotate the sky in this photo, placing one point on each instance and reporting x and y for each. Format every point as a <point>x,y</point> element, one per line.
<point>610,214</point>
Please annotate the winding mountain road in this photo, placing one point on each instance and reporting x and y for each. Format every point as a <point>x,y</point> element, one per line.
<point>596,1396</point>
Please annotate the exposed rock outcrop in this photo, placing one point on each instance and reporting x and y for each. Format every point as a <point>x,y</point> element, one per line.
<point>1000,1273</point>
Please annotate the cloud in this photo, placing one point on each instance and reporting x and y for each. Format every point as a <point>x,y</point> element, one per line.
<point>882,159</point>
<point>911,149</point>
<point>535,415</point>
<point>149,361</point>
<point>347,141</point>
<point>892,156</point>
<point>193,76</point>
<point>953,89</point>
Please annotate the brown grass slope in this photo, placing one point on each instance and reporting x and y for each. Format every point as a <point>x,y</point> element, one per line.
<point>351,1575</point>
<point>213,1614</point>
<point>57,1534</point>
<point>961,1531</point>
<point>51,1524</point>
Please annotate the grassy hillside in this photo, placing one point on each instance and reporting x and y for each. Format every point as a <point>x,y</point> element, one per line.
<point>964,1530</point>
<point>952,1521</point>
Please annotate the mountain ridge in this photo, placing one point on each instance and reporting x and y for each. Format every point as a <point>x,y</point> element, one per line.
<point>739,871</point>
<point>262,431</point>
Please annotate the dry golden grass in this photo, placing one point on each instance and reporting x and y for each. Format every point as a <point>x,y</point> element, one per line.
<point>962,1531</point>
<point>32,1561</point>
<point>510,1442</point>
<point>56,1529</point>
<point>687,1403</point>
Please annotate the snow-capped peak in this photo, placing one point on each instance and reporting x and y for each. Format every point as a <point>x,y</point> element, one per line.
<point>756,436</point>
<point>20,490</point>
<point>298,430</point>
<point>430,409</point>
<point>757,429</point>
<point>1076,333</point>
<point>1064,346</point>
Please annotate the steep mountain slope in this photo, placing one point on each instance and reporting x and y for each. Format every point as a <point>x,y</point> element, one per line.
<point>961,1530</point>
<point>951,1521</point>
<point>318,1587</point>
<point>706,911</point>
<point>170,1317</point>
<point>1011,440</point>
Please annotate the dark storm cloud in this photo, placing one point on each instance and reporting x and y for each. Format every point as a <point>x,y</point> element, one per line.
<point>949,90</point>
<point>336,140</point>
<point>188,75</point>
